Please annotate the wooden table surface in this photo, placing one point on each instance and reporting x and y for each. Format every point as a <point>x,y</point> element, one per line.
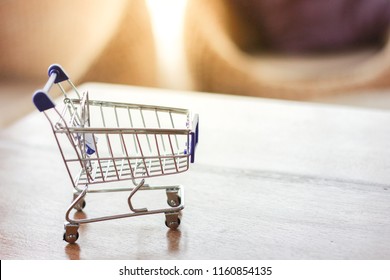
<point>272,180</point>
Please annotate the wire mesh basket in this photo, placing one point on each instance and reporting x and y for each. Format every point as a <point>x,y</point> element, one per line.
<point>105,142</point>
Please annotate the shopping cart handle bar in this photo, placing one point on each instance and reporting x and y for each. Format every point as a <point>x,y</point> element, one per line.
<point>59,71</point>
<point>41,98</point>
<point>42,101</point>
<point>194,136</point>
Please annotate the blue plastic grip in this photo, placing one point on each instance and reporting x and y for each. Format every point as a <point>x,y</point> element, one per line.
<point>40,98</point>
<point>42,101</point>
<point>57,69</point>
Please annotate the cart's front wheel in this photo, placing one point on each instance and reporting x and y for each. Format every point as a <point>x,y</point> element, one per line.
<point>173,225</point>
<point>173,197</point>
<point>174,202</point>
<point>172,220</point>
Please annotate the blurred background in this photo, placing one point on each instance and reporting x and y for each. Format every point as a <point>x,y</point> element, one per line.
<point>334,51</point>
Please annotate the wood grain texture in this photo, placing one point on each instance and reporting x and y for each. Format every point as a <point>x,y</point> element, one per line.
<point>273,180</point>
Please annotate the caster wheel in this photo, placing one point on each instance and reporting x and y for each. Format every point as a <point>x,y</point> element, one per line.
<point>172,220</point>
<point>71,238</point>
<point>173,225</point>
<point>174,202</point>
<point>71,233</point>
<point>80,206</point>
<point>173,197</point>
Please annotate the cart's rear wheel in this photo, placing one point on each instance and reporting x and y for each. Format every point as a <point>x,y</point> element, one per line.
<point>81,205</point>
<point>71,233</point>
<point>71,238</point>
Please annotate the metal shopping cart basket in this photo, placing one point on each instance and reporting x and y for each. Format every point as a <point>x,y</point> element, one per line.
<point>106,142</point>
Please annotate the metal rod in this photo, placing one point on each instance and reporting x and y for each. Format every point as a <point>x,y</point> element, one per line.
<point>50,82</point>
<point>173,126</point>
<point>132,126</point>
<point>147,136</point>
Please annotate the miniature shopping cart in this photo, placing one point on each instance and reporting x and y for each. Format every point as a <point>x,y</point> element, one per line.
<point>108,142</point>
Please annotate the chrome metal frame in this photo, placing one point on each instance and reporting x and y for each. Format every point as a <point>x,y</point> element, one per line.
<point>102,142</point>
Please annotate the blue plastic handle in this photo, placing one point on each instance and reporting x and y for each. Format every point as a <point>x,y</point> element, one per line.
<point>59,71</point>
<point>42,101</point>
